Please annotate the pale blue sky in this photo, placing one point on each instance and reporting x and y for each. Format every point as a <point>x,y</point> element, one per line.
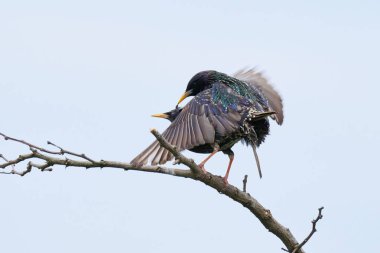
<point>87,75</point>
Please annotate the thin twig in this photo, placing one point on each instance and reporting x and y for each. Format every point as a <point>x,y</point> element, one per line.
<point>30,145</point>
<point>5,159</point>
<point>245,180</point>
<point>6,172</point>
<point>313,230</point>
<point>64,151</point>
<point>23,173</point>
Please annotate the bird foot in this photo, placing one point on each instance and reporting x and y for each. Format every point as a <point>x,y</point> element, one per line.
<point>225,180</point>
<point>202,166</point>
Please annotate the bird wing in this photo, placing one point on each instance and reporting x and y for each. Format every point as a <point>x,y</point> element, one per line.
<point>256,79</point>
<point>199,122</point>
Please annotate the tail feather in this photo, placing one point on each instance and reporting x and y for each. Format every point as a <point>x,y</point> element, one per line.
<point>158,156</point>
<point>257,160</point>
<point>147,154</point>
<point>256,79</point>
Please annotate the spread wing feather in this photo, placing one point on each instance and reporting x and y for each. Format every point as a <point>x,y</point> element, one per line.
<point>256,79</point>
<point>197,124</point>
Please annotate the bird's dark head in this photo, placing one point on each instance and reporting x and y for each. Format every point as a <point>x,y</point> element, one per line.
<point>170,115</point>
<point>198,83</point>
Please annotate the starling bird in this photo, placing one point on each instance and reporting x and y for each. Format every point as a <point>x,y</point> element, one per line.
<point>224,111</point>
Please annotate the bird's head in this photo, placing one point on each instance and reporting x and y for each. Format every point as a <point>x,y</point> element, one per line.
<point>198,83</point>
<point>170,115</point>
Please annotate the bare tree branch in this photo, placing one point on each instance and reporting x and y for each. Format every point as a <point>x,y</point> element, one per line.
<point>51,158</point>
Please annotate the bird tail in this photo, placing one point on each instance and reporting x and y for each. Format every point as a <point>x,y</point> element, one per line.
<point>257,160</point>
<point>155,153</point>
<point>256,79</point>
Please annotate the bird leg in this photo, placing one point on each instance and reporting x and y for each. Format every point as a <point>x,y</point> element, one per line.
<point>202,164</point>
<point>231,156</point>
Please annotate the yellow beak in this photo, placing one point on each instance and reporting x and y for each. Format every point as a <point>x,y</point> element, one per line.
<point>161,115</point>
<point>185,95</point>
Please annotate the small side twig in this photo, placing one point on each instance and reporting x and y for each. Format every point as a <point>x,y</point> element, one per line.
<point>64,151</point>
<point>245,180</point>
<point>313,230</point>
<point>23,173</point>
<point>5,159</point>
<point>30,145</point>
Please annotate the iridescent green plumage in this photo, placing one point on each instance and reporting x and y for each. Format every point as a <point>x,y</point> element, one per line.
<point>241,88</point>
